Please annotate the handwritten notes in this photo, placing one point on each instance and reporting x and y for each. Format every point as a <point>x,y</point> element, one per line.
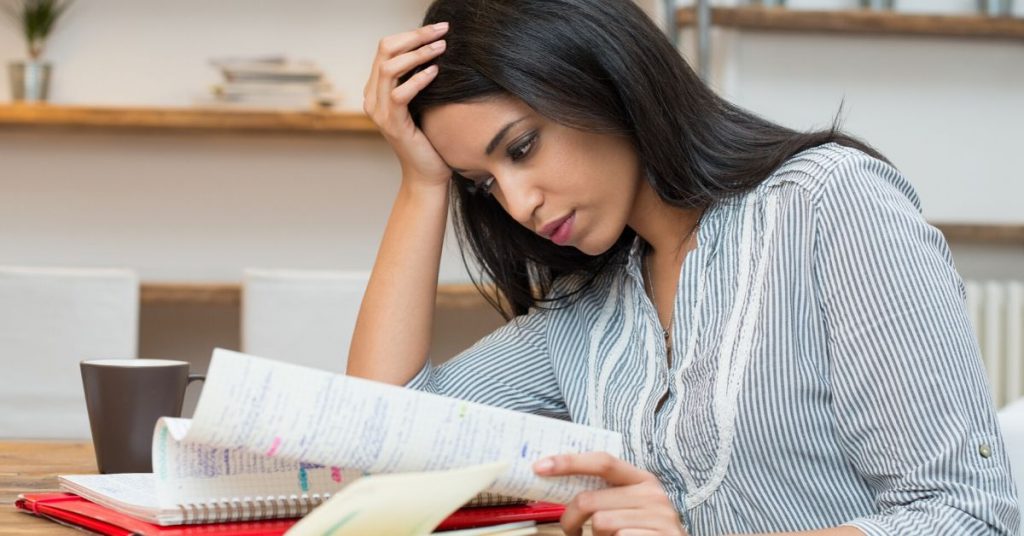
<point>195,473</point>
<point>254,411</point>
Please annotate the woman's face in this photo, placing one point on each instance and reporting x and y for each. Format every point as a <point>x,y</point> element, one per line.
<point>540,171</point>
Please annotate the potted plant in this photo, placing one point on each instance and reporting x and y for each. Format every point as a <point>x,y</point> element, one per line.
<point>36,19</point>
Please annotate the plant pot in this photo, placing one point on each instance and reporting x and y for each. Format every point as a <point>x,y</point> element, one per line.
<point>30,81</point>
<point>996,8</point>
<point>878,4</point>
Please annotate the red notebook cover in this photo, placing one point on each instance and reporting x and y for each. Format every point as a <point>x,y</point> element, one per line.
<point>481,516</point>
<point>70,509</point>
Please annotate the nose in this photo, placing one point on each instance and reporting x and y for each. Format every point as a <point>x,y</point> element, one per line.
<point>521,198</point>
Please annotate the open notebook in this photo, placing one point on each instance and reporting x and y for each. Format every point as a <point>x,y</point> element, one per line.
<point>275,440</point>
<point>135,494</point>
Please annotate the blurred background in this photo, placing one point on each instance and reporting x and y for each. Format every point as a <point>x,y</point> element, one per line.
<point>187,142</point>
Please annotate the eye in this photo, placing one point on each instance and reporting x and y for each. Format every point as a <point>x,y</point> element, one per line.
<point>516,152</point>
<point>482,187</point>
<point>523,149</point>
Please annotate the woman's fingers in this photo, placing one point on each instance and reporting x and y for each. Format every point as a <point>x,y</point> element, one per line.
<point>392,46</point>
<point>386,101</point>
<point>613,470</point>
<point>608,522</point>
<point>404,93</point>
<point>394,68</point>
<point>391,70</point>
<point>633,489</point>
<point>595,505</point>
<point>585,504</point>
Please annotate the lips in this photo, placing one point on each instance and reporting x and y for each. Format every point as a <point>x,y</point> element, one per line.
<point>550,228</point>
<point>563,233</point>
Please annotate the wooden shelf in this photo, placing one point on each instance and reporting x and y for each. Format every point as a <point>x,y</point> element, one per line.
<point>464,296</point>
<point>183,119</point>
<point>226,294</point>
<point>983,233</point>
<point>454,296</point>
<point>859,22</point>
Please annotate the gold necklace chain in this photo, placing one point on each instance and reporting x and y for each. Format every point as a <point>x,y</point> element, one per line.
<point>666,332</point>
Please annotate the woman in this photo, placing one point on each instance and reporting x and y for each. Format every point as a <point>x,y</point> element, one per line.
<point>762,313</point>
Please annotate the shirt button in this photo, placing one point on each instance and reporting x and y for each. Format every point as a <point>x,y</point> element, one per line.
<point>985,450</point>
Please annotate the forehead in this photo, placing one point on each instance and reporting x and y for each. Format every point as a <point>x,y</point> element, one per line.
<point>461,131</point>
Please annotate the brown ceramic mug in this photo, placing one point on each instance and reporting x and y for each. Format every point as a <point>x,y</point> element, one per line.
<point>125,397</point>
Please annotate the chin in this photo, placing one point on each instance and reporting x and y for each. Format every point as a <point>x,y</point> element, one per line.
<point>593,252</point>
<point>594,240</point>
<point>595,247</point>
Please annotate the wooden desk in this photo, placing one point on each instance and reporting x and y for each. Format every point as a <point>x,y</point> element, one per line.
<point>34,466</point>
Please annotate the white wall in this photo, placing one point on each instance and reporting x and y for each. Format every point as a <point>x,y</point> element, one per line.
<point>179,207</point>
<point>154,52</point>
<point>201,207</point>
<point>946,111</point>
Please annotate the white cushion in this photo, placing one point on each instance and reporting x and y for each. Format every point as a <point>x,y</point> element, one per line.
<point>50,320</point>
<point>301,316</point>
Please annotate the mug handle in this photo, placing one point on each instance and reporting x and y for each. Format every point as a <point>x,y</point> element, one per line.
<point>194,377</point>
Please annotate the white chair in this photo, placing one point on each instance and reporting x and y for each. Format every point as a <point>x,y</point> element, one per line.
<point>300,316</point>
<point>50,320</point>
<point>1011,421</point>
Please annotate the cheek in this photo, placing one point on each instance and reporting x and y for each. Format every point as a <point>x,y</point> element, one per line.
<point>600,167</point>
<point>612,188</point>
<point>613,193</point>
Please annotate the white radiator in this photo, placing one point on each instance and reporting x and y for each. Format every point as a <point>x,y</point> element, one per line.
<point>997,312</point>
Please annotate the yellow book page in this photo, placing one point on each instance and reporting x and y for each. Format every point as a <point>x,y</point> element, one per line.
<point>400,504</point>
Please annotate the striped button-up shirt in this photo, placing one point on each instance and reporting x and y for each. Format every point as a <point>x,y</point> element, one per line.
<point>823,370</point>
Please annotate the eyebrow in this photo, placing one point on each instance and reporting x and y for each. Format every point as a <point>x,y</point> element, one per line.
<point>496,140</point>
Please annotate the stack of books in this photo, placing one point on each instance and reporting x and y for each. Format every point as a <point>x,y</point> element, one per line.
<point>272,82</point>
<point>109,515</point>
<point>275,447</point>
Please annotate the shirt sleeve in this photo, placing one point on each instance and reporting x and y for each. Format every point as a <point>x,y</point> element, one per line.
<point>509,368</point>
<point>911,398</point>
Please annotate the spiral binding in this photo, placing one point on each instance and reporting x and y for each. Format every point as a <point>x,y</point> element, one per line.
<point>494,499</point>
<point>251,508</point>
<point>291,506</point>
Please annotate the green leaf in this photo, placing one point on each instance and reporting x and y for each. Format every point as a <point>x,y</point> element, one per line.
<point>36,19</point>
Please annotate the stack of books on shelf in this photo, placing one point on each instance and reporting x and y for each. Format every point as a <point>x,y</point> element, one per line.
<point>271,82</point>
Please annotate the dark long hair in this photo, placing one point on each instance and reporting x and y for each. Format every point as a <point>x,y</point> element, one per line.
<point>599,66</point>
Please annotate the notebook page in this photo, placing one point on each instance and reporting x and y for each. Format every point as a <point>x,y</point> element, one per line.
<point>131,492</point>
<point>192,473</point>
<point>288,411</point>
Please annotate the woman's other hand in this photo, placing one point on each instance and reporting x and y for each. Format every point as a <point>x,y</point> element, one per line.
<point>387,102</point>
<point>635,505</point>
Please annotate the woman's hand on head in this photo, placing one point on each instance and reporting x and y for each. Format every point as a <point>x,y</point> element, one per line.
<point>387,102</point>
<point>635,504</point>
